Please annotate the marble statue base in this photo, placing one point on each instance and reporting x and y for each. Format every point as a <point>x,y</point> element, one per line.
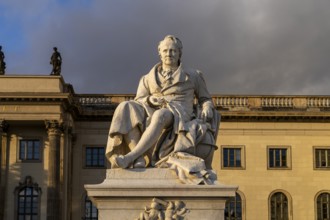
<point>125,193</point>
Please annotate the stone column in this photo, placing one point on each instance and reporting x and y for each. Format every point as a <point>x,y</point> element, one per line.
<point>69,171</point>
<point>66,171</point>
<point>3,163</point>
<point>54,129</point>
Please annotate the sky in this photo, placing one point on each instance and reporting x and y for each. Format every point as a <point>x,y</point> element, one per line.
<point>243,47</point>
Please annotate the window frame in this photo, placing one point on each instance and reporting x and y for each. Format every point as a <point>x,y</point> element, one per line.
<point>316,201</point>
<point>288,157</point>
<point>86,199</point>
<point>315,148</point>
<point>242,157</point>
<point>289,203</point>
<point>28,183</point>
<point>25,160</point>
<point>85,166</point>
<point>239,193</point>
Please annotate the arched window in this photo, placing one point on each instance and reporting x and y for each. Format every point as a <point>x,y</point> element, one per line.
<point>233,210</point>
<point>91,212</point>
<point>28,200</point>
<point>323,206</point>
<point>279,208</point>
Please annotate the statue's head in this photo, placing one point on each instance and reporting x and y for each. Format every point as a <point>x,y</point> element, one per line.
<point>55,48</point>
<point>170,50</point>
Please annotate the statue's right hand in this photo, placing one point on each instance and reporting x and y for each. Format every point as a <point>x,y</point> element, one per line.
<point>156,101</point>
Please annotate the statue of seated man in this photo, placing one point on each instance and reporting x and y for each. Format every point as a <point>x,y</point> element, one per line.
<point>163,118</point>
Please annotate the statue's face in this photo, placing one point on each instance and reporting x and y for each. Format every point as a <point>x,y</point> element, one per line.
<point>169,53</point>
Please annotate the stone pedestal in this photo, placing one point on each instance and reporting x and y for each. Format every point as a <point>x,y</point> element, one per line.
<point>125,193</point>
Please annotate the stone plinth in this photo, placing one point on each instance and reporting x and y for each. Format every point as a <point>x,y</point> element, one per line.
<point>126,192</point>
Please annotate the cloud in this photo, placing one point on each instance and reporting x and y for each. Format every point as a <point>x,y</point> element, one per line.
<point>243,47</point>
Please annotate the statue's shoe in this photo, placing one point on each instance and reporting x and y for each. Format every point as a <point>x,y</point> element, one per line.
<point>121,161</point>
<point>118,161</point>
<point>139,163</point>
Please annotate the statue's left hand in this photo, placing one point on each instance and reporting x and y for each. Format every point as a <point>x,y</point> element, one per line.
<point>207,113</point>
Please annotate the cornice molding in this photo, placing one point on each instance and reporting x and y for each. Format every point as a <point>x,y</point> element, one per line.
<point>100,107</point>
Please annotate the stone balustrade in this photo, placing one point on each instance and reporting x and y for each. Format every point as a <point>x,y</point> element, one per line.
<point>230,101</point>
<point>100,99</point>
<point>223,101</point>
<point>277,102</point>
<point>318,102</point>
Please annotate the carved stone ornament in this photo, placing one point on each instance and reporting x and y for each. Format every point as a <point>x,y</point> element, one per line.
<point>54,127</point>
<point>3,126</point>
<point>28,182</point>
<point>162,210</point>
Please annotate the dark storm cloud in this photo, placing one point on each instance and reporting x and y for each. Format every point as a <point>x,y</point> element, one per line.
<point>243,47</point>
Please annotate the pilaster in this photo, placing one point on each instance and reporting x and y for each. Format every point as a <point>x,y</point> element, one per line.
<point>54,129</point>
<point>66,171</point>
<point>3,163</point>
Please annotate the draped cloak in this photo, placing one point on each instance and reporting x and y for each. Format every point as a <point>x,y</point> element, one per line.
<point>180,93</point>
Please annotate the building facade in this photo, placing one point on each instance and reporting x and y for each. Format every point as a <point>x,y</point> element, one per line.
<point>275,148</point>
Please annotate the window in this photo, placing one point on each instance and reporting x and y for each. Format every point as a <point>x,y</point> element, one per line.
<point>279,157</point>
<point>95,157</point>
<point>29,150</point>
<point>232,157</point>
<point>91,212</point>
<point>27,200</point>
<point>279,207</point>
<point>233,209</point>
<point>323,206</point>
<point>322,157</point>
<point>28,204</point>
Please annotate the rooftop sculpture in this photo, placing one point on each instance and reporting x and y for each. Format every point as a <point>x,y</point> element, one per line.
<point>56,61</point>
<point>2,62</point>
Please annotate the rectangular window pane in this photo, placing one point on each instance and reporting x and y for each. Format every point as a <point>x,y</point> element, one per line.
<point>94,163</point>
<point>318,158</point>
<point>322,158</point>
<point>29,150</point>
<point>95,157</point>
<point>101,162</point>
<point>231,157</point>
<point>271,158</point>
<point>225,157</point>
<point>283,157</point>
<point>22,151</point>
<point>36,148</point>
<point>88,152</point>
<point>277,157</point>
<point>238,157</point>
